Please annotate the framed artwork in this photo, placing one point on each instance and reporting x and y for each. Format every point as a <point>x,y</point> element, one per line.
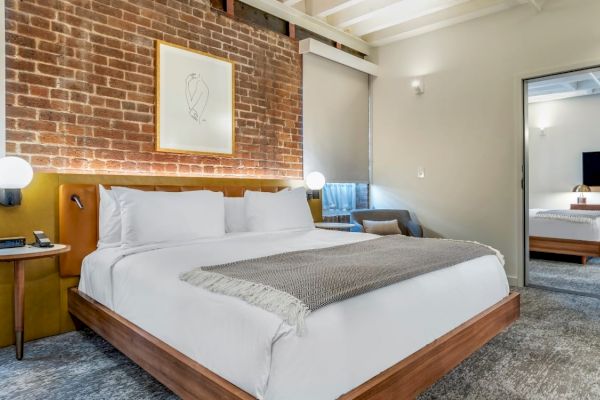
<point>195,98</point>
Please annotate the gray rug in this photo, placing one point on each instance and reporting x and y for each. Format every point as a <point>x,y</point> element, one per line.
<point>566,276</point>
<point>552,352</point>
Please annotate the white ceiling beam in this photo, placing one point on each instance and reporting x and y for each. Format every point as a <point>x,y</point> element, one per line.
<point>400,12</point>
<point>291,3</point>
<point>324,8</point>
<point>442,19</point>
<point>359,13</point>
<point>310,23</point>
<point>341,57</point>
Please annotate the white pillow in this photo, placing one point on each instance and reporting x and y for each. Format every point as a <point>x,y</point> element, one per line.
<point>268,212</point>
<point>235,214</point>
<point>109,219</point>
<point>155,217</point>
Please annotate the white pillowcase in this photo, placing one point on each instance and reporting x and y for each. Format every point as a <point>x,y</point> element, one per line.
<point>285,210</point>
<point>235,214</point>
<point>154,217</point>
<point>109,219</point>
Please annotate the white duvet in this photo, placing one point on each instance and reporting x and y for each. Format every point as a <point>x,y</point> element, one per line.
<point>345,344</point>
<point>561,229</point>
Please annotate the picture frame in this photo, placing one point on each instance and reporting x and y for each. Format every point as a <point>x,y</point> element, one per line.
<point>195,101</point>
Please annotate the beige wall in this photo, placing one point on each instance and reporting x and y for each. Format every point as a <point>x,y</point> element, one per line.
<point>465,129</point>
<point>555,161</point>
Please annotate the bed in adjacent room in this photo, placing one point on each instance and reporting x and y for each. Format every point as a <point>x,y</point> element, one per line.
<point>572,232</point>
<point>395,339</point>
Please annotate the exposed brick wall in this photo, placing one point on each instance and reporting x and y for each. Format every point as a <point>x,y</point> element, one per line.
<point>81,81</point>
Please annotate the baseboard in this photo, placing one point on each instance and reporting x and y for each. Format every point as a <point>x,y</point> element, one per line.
<point>513,280</point>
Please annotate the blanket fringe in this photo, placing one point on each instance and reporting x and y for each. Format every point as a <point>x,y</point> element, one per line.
<point>291,309</point>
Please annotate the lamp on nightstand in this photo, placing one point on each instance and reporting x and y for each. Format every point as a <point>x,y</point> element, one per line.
<point>581,189</point>
<point>15,174</point>
<point>315,182</point>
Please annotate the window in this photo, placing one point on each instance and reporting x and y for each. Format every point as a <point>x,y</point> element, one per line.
<point>341,198</point>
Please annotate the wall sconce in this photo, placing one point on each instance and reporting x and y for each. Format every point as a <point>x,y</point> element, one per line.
<point>315,182</point>
<point>418,86</point>
<point>15,174</point>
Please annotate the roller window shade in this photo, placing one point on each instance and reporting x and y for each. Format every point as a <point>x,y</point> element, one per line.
<point>336,120</point>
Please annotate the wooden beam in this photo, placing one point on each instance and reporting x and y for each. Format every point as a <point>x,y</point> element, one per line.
<point>229,7</point>
<point>310,23</point>
<point>291,30</point>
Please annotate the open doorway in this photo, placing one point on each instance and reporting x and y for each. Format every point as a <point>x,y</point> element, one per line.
<point>562,182</point>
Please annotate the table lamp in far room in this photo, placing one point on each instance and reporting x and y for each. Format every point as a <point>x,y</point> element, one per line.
<point>15,174</point>
<point>581,189</point>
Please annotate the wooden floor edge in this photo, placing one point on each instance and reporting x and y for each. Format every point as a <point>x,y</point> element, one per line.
<point>184,376</point>
<point>413,375</point>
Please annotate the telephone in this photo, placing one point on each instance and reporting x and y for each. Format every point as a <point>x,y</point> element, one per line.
<point>41,240</point>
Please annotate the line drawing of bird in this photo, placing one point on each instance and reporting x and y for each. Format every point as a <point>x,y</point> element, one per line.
<point>197,94</point>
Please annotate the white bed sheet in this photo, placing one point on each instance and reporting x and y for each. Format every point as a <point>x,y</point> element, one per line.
<point>345,344</point>
<point>561,229</point>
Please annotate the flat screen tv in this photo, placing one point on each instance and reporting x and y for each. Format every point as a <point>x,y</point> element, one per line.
<point>591,168</point>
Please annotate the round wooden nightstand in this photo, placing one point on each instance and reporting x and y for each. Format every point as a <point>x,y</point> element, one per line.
<point>18,256</point>
<point>335,226</point>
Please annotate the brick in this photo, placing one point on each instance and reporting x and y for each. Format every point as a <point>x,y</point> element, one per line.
<point>81,87</point>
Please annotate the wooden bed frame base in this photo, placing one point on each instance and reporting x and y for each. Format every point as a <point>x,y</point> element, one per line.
<point>581,248</point>
<point>190,380</point>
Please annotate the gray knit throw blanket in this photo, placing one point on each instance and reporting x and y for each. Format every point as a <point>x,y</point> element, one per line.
<point>293,284</point>
<point>576,216</point>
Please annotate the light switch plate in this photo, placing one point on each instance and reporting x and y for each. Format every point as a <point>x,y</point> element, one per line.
<point>420,172</point>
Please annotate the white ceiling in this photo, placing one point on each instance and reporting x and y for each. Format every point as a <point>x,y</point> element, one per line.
<point>379,22</point>
<point>564,86</point>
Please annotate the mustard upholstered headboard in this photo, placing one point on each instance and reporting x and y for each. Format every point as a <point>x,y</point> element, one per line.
<point>78,227</point>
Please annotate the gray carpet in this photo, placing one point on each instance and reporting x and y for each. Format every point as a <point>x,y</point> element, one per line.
<point>566,276</point>
<point>552,352</point>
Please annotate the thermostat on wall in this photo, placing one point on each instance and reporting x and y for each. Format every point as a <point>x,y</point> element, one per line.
<point>11,242</point>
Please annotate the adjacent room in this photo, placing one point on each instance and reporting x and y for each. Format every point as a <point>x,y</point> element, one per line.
<point>563,149</point>
<point>300,199</point>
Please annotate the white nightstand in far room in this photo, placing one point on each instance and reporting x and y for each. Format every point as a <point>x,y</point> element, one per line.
<point>18,256</point>
<point>335,226</point>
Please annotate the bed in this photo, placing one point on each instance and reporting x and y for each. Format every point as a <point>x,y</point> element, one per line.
<point>392,342</point>
<point>559,236</point>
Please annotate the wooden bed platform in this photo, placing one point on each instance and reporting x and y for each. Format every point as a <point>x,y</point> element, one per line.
<point>190,380</point>
<point>581,248</point>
